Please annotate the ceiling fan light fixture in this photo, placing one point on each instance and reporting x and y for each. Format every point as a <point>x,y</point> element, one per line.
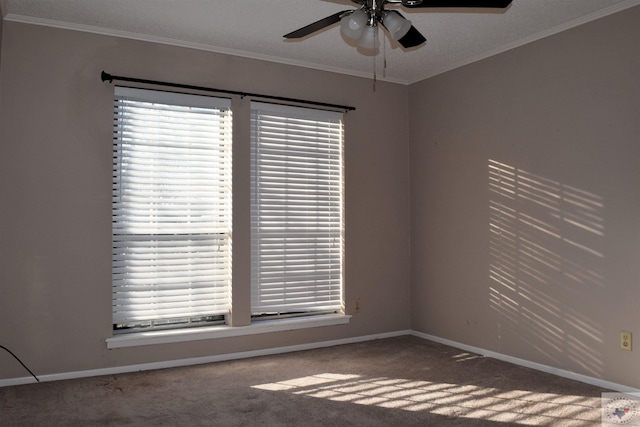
<point>352,25</point>
<point>397,25</point>
<point>369,38</point>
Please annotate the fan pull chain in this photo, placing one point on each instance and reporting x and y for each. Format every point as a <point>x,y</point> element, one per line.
<point>375,44</point>
<point>375,77</point>
<point>384,57</point>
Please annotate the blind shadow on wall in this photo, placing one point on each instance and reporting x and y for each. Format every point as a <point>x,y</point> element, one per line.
<point>546,269</point>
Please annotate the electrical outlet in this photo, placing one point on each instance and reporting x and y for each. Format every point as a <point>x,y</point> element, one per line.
<point>357,305</point>
<point>625,340</point>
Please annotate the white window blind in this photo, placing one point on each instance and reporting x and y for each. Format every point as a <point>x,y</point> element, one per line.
<point>296,210</point>
<point>171,206</point>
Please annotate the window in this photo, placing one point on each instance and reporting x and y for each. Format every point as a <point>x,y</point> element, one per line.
<point>171,208</point>
<point>296,210</point>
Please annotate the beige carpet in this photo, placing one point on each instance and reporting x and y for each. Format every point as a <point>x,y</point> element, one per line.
<point>404,381</point>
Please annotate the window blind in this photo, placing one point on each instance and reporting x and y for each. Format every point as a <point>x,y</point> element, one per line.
<point>296,210</point>
<point>171,206</point>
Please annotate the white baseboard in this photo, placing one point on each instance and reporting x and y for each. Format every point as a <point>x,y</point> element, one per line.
<point>528,364</point>
<point>310,346</point>
<point>196,360</point>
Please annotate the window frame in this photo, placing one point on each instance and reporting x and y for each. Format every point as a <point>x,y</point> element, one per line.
<point>297,201</point>
<point>161,142</point>
<point>237,324</point>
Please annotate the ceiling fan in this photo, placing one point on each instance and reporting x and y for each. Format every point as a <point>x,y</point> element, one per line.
<point>361,24</point>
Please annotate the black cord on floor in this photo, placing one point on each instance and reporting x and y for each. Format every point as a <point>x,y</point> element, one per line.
<point>16,357</point>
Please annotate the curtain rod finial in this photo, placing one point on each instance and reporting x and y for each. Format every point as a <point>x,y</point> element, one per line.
<point>106,76</point>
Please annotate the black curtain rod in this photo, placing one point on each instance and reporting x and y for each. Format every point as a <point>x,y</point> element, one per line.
<point>110,78</point>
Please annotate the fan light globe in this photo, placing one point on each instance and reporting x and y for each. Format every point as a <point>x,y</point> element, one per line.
<point>397,25</point>
<point>369,39</point>
<point>353,24</point>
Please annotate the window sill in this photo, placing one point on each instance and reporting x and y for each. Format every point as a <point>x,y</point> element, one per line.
<point>224,331</point>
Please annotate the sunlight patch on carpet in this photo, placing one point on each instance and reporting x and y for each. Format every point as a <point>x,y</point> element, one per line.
<point>450,400</point>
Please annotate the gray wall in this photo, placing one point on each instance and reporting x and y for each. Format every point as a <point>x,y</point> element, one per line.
<point>524,201</point>
<point>55,184</point>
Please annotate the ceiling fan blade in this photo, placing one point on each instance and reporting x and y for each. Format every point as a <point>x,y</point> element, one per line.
<point>316,26</point>
<point>463,3</point>
<point>412,38</point>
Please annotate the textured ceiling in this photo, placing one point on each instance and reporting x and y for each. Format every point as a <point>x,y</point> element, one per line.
<point>254,28</point>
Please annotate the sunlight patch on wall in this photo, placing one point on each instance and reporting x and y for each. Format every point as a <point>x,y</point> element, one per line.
<point>519,407</point>
<point>547,264</point>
